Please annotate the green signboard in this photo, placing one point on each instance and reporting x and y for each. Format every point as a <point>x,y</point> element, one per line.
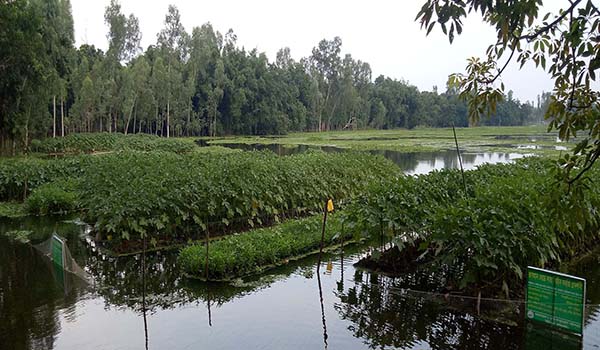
<point>555,299</point>
<point>58,251</point>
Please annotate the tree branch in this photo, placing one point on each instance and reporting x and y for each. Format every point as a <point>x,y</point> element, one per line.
<point>590,162</point>
<point>491,81</point>
<point>574,62</point>
<point>549,26</point>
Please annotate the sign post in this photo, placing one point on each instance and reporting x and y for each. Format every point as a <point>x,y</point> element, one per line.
<point>555,299</point>
<point>58,251</point>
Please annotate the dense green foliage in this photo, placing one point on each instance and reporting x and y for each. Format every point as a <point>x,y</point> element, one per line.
<point>135,194</point>
<point>51,198</point>
<point>36,52</point>
<point>196,83</point>
<point>12,210</point>
<point>19,176</point>
<point>97,142</point>
<point>243,254</point>
<point>164,193</point>
<point>512,216</point>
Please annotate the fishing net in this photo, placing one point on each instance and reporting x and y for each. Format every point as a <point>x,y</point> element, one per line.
<point>51,251</point>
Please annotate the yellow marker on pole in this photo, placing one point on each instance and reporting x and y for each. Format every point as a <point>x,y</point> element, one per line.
<point>327,209</point>
<point>330,205</point>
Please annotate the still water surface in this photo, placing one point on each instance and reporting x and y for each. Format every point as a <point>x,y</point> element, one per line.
<point>282,310</point>
<point>291,307</point>
<point>411,163</point>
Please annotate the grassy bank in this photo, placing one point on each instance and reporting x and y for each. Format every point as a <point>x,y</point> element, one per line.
<point>254,251</point>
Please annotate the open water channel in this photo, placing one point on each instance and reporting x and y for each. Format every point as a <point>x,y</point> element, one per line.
<point>412,163</point>
<point>291,307</point>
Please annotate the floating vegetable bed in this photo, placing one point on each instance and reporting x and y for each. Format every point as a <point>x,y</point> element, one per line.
<point>257,250</point>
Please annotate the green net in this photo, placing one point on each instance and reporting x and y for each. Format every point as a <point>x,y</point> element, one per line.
<point>62,263</point>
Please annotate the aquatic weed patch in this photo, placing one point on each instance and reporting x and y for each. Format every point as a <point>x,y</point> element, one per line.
<point>20,176</point>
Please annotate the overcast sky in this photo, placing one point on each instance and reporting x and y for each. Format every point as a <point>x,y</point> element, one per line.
<point>382,33</point>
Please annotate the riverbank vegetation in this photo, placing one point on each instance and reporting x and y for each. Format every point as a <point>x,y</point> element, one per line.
<point>199,81</point>
<point>510,216</point>
<point>107,142</point>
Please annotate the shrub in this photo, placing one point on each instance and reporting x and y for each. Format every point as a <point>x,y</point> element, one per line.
<point>51,199</point>
<point>102,142</point>
<point>20,176</point>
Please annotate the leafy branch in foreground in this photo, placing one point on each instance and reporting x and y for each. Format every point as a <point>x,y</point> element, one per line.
<point>565,44</point>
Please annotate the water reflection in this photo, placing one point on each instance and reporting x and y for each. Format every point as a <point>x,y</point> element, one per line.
<point>412,163</point>
<point>292,307</point>
<point>387,316</point>
<point>425,162</point>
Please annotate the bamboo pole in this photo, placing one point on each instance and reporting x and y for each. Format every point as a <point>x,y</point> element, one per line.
<point>462,171</point>
<point>322,237</point>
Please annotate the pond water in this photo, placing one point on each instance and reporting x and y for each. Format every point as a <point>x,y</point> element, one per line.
<point>292,307</point>
<point>411,163</point>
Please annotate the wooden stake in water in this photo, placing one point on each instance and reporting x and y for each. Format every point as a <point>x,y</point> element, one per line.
<point>327,208</point>
<point>325,336</point>
<point>144,291</point>
<point>322,235</point>
<point>206,258</point>
<point>342,249</point>
<point>462,171</point>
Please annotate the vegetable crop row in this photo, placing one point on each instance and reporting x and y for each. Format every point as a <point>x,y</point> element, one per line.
<point>135,194</point>
<point>511,216</point>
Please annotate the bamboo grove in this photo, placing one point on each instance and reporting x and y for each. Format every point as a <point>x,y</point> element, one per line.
<point>197,83</point>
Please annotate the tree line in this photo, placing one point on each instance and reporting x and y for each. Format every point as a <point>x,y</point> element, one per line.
<point>198,83</point>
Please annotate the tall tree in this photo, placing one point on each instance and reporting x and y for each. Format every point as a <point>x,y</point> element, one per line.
<point>325,63</point>
<point>172,40</point>
<point>123,44</point>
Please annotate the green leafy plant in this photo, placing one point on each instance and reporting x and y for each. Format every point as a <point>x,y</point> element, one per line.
<point>511,216</point>
<point>51,199</point>
<point>253,251</point>
<point>12,210</point>
<point>103,142</point>
<point>134,193</point>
